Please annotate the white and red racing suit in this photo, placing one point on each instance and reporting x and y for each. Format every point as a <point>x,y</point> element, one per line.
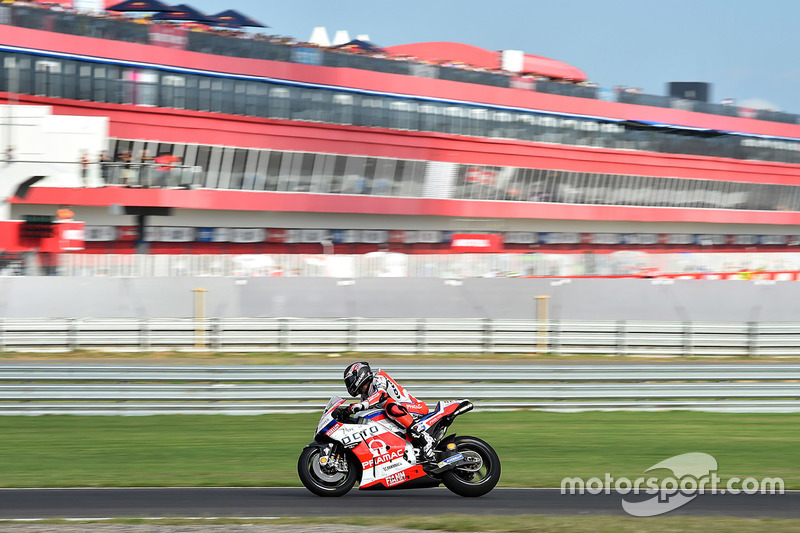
<point>398,404</point>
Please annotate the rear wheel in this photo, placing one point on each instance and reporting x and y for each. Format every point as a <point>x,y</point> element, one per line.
<point>479,475</point>
<point>326,481</point>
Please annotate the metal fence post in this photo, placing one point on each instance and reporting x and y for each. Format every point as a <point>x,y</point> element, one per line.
<point>144,335</point>
<point>216,334</point>
<point>2,335</point>
<point>542,311</point>
<point>421,336</point>
<point>200,318</point>
<point>352,334</point>
<point>283,338</point>
<point>752,339</point>
<point>488,335</point>
<point>688,339</point>
<point>72,334</point>
<point>555,336</point>
<point>622,338</point>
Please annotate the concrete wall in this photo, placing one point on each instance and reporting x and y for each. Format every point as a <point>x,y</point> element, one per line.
<point>624,299</point>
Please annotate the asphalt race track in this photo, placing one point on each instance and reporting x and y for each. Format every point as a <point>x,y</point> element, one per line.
<point>286,502</point>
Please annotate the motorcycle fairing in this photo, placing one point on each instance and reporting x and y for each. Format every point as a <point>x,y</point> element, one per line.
<point>386,459</point>
<point>442,409</point>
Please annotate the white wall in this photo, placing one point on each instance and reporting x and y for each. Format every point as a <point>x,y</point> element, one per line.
<point>47,145</point>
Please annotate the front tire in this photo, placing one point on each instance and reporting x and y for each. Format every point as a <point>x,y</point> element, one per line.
<point>324,483</point>
<point>475,479</point>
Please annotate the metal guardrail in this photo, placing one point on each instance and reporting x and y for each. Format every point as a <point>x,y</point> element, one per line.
<point>163,389</point>
<point>403,336</point>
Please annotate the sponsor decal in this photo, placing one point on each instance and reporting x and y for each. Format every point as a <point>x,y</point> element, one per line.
<point>364,434</point>
<point>380,459</point>
<point>392,466</point>
<point>450,460</point>
<point>474,242</point>
<point>394,479</point>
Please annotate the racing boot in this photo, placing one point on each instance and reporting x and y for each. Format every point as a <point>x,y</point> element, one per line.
<point>425,443</point>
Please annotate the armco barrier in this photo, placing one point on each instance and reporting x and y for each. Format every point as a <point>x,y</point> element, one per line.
<point>150,389</point>
<point>403,336</point>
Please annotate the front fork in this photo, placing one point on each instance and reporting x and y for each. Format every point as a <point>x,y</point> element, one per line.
<point>331,459</point>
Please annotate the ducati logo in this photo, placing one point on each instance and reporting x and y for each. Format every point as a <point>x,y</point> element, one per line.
<point>379,455</point>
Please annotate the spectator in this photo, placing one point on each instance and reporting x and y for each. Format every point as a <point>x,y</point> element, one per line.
<point>84,168</point>
<point>104,161</point>
<point>167,163</point>
<point>128,174</point>
<point>10,155</point>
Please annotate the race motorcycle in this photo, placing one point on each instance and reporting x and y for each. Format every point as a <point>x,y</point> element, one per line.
<point>370,448</point>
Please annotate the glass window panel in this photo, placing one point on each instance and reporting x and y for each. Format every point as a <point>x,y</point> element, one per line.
<point>173,91</point>
<point>429,118</point>
<point>354,182</point>
<point>526,180</point>
<point>239,97</point>
<point>216,96</point>
<point>100,84</point>
<point>261,170</point>
<point>226,163</point>
<point>252,98</point>
<point>146,91</point>
<point>305,172</point>
<point>477,118</point>
<point>553,180</point>
<point>322,164</point>
<point>342,112</point>
<point>405,178</point>
<point>192,94</point>
<point>396,176</point>
<point>339,169</point>
<point>274,162</point>
<point>285,177</point>
<point>249,178</point>
<point>279,102</point>
<point>21,74</point>
<point>400,114</point>
<point>46,77</point>
<point>604,187</point>
<point>214,162</point>
<point>238,168</point>
<point>85,82</point>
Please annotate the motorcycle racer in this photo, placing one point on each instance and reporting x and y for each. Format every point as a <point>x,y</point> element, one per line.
<point>379,389</point>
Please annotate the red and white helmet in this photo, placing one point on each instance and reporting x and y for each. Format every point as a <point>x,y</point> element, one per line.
<point>355,376</point>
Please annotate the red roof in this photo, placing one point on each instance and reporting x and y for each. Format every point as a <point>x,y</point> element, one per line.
<point>482,58</point>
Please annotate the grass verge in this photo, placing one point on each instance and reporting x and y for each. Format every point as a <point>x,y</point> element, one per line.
<point>538,449</point>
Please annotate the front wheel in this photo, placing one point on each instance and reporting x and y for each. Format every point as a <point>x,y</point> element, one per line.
<point>478,476</point>
<point>324,481</point>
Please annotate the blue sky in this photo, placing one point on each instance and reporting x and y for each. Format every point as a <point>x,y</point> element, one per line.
<point>746,50</point>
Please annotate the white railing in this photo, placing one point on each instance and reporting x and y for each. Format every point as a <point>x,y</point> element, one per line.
<point>403,336</point>
<point>111,389</point>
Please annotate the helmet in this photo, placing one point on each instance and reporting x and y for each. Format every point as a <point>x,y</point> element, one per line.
<point>355,376</point>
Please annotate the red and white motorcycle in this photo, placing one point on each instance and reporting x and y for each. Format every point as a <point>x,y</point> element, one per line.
<point>370,448</point>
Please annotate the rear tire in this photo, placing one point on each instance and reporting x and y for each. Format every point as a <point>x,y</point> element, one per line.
<point>477,480</point>
<point>322,483</point>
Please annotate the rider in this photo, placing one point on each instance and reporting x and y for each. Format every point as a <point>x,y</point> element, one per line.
<point>380,390</point>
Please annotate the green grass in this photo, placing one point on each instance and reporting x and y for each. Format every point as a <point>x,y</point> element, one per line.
<point>537,449</point>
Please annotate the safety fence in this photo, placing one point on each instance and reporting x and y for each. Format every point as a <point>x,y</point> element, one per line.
<point>403,336</point>
<point>110,389</point>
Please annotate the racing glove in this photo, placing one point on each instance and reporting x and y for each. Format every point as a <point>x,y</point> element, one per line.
<point>355,407</point>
